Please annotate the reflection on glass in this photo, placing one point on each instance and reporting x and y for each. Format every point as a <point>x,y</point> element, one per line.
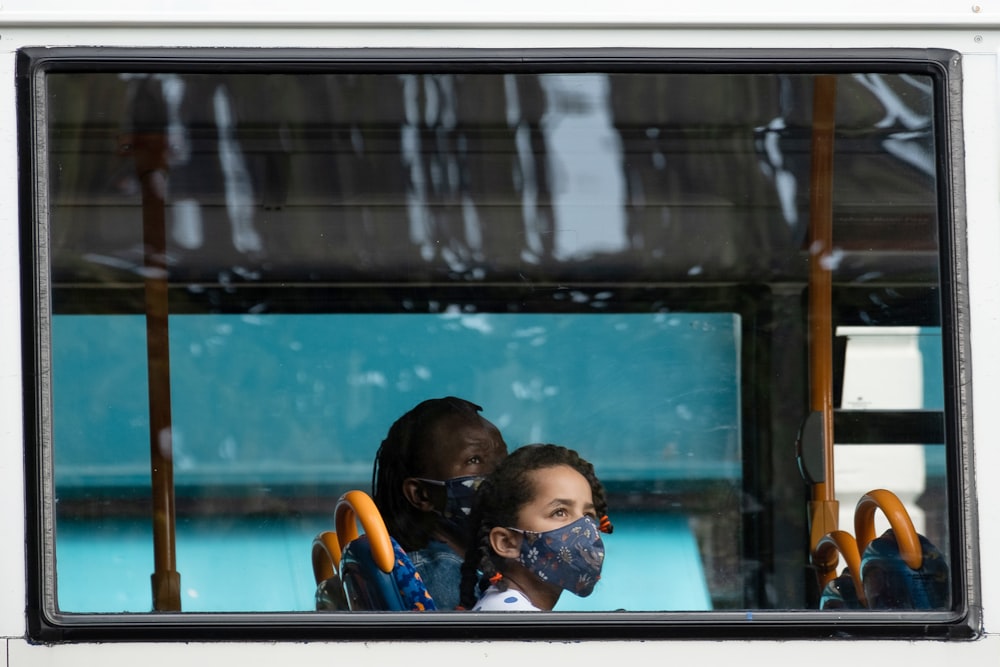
<point>613,261</point>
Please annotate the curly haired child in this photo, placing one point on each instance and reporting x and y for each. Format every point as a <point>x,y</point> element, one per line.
<point>538,521</point>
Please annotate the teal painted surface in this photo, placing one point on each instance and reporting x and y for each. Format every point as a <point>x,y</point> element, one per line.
<point>308,398</point>
<point>264,565</point>
<point>305,399</point>
<point>302,400</point>
<point>225,565</point>
<point>651,564</point>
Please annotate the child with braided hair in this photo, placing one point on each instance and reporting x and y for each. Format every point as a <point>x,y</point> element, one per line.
<point>424,477</point>
<point>538,520</point>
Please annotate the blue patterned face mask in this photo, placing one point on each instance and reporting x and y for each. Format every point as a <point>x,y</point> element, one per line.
<point>459,494</point>
<point>569,557</point>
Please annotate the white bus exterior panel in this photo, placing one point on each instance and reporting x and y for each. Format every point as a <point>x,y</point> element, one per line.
<point>970,27</point>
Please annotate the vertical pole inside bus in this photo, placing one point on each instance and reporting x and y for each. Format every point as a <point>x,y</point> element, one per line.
<point>823,507</point>
<point>149,145</point>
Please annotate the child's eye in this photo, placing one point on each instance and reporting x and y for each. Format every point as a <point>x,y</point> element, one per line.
<point>561,512</point>
<point>475,460</point>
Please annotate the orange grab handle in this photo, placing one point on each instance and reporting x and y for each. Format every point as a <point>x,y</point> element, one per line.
<point>356,506</point>
<point>325,556</point>
<point>899,519</point>
<point>842,542</point>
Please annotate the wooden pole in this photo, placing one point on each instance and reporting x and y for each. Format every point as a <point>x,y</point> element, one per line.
<point>823,508</point>
<point>149,146</point>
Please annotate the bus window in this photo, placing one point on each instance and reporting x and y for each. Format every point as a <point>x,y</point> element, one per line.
<point>247,267</point>
<point>269,423</point>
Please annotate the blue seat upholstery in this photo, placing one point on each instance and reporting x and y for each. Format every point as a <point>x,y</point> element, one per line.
<point>368,588</point>
<point>901,569</point>
<point>367,571</point>
<point>892,584</point>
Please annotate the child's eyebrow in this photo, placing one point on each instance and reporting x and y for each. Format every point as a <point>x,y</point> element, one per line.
<point>566,501</point>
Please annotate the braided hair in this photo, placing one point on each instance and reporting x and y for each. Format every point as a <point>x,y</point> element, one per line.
<point>402,454</point>
<point>499,501</point>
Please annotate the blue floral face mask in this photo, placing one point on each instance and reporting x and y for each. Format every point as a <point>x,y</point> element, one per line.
<point>459,494</point>
<point>569,557</point>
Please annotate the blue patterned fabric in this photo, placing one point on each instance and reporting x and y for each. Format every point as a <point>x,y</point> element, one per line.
<point>369,588</point>
<point>570,557</point>
<point>411,587</point>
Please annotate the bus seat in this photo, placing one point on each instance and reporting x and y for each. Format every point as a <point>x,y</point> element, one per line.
<point>369,588</point>
<point>377,574</point>
<point>326,557</point>
<point>841,593</point>
<point>890,583</point>
<point>845,591</point>
<point>900,569</point>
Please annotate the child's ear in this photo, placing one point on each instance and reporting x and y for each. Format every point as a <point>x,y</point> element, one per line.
<point>506,543</point>
<point>415,492</point>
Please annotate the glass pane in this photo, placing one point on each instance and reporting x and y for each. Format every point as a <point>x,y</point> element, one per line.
<point>275,407</point>
<point>618,262</point>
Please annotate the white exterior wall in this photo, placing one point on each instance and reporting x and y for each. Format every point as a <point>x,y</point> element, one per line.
<point>972,28</point>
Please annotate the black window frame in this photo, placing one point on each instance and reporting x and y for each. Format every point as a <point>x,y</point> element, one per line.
<point>48,625</point>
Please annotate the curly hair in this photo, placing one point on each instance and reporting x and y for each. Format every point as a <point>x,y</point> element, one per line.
<point>499,501</point>
<point>402,454</point>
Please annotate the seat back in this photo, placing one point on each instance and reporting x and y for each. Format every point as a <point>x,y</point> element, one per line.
<point>901,569</point>
<point>376,573</point>
<point>845,591</point>
<point>841,593</point>
<point>326,556</point>
<point>369,588</point>
<point>891,583</point>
